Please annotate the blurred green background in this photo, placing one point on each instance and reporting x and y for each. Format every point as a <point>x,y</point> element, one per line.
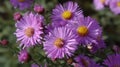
<point>109,22</point>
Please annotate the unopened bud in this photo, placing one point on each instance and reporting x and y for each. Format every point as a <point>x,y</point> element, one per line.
<point>24,56</point>
<point>17,16</point>
<point>38,8</point>
<point>4,42</point>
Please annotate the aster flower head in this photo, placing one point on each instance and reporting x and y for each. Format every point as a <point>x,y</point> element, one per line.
<point>84,61</point>
<point>87,30</point>
<point>66,13</point>
<point>112,60</point>
<point>115,6</point>
<point>60,42</point>
<point>23,56</point>
<point>29,30</point>
<point>21,4</point>
<point>100,4</point>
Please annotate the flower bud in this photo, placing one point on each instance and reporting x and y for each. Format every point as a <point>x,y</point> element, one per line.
<point>116,48</point>
<point>24,56</point>
<point>34,65</point>
<point>4,42</point>
<point>38,8</point>
<point>17,16</point>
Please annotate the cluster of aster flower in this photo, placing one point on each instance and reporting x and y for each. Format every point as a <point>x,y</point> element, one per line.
<point>68,30</point>
<point>114,5</point>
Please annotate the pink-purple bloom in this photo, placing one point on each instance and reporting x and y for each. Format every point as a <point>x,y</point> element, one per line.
<point>21,4</point>
<point>115,6</point>
<point>100,4</point>
<point>112,60</point>
<point>84,61</point>
<point>87,30</point>
<point>66,13</point>
<point>29,30</point>
<point>23,56</point>
<point>60,42</point>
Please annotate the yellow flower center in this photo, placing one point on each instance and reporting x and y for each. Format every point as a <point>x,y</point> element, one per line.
<point>59,43</point>
<point>29,32</point>
<point>82,30</point>
<point>21,0</point>
<point>118,4</point>
<point>67,15</point>
<point>102,1</point>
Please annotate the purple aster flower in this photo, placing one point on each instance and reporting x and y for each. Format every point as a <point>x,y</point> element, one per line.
<point>115,6</point>
<point>66,13</point>
<point>87,31</point>
<point>23,56</point>
<point>100,4</point>
<point>112,60</point>
<point>60,42</point>
<point>84,61</point>
<point>29,30</point>
<point>21,4</point>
